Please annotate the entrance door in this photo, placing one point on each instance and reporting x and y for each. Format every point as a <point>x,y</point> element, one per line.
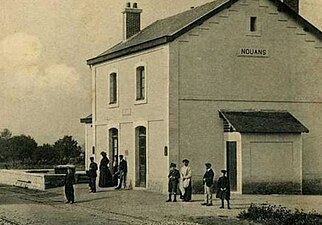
<point>140,157</point>
<point>114,152</point>
<point>232,164</point>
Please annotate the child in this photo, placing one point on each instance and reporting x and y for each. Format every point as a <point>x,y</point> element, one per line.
<point>223,189</point>
<point>173,176</point>
<point>208,181</point>
<point>69,186</point>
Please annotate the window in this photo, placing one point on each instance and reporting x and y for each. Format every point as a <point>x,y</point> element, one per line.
<point>140,83</point>
<point>253,24</point>
<point>113,88</point>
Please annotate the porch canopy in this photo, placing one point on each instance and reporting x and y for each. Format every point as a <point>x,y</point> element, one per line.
<point>87,119</point>
<point>261,121</point>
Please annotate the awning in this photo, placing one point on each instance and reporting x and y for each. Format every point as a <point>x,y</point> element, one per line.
<point>261,122</point>
<point>87,119</point>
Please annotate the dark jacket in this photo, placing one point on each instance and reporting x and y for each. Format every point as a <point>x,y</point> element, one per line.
<point>92,169</point>
<point>174,174</point>
<point>123,166</point>
<point>69,179</point>
<point>208,178</point>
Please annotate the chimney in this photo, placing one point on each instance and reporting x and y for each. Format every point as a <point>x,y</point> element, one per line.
<point>293,4</point>
<point>131,20</point>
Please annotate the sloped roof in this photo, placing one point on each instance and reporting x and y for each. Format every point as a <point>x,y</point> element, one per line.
<point>263,121</point>
<point>87,119</point>
<point>168,29</point>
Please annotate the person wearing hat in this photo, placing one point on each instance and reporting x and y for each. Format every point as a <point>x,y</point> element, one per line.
<point>223,191</point>
<point>185,181</point>
<point>208,181</point>
<point>105,178</point>
<point>173,176</point>
<point>122,172</point>
<point>92,174</point>
<point>69,186</point>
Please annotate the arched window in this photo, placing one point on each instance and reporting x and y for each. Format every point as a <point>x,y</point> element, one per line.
<point>114,148</point>
<point>140,83</point>
<point>140,156</point>
<point>113,88</point>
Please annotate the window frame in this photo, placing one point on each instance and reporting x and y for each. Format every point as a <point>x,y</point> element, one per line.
<point>115,103</point>
<point>140,97</point>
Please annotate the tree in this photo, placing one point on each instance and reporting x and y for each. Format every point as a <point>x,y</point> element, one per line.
<point>44,154</point>
<point>67,149</point>
<point>5,134</point>
<point>21,148</point>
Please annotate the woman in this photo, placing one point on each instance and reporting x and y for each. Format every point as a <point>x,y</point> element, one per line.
<point>105,179</point>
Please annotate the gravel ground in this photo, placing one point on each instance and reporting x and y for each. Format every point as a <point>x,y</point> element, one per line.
<point>108,206</point>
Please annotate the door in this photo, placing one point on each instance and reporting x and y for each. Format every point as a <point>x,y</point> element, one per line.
<point>232,164</point>
<point>140,157</point>
<point>114,153</point>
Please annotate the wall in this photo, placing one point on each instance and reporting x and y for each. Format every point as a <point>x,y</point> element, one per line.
<point>128,113</point>
<point>210,75</point>
<point>272,163</point>
<point>88,144</point>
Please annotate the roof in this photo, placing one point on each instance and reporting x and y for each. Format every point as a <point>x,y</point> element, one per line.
<point>87,119</point>
<point>262,121</point>
<point>168,29</point>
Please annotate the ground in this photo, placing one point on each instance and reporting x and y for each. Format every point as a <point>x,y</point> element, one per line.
<point>120,207</point>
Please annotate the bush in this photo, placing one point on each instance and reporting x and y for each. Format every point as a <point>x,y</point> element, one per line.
<point>278,215</point>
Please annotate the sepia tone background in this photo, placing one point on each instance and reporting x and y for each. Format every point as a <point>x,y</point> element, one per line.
<point>45,84</point>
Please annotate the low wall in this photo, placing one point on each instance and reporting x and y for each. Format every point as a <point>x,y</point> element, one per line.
<point>24,179</point>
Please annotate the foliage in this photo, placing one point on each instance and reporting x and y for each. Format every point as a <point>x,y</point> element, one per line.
<point>267,188</point>
<point>22,150</point>
<point>278,215</point>
<point>312,187</point>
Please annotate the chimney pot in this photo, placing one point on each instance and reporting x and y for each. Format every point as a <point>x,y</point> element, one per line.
<point>135,5</point>
<point>128,5</point>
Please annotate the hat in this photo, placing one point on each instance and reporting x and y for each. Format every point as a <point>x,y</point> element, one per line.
<point>224,171</point>
<point>185,160</point>
<point>103,153</point>
<point>121,156</point>
<point>91,157</point>
<point>173,165</point>
<point>208,164</point>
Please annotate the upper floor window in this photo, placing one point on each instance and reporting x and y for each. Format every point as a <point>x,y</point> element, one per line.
<point>140,83</point>
<point>113,88</point>
<point>252,24</point>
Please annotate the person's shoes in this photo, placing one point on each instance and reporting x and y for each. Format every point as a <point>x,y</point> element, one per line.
<point>228,208</point>
<point>169,200</point>
<point>117,188</point>
<point>204,203</point>
<point>221,207</point>
<point>71,202</point>
<point>174,200</point>
<point>209,204</point>
<point>67,202</point>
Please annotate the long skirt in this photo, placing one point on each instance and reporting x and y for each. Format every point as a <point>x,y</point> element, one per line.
<point>105,179</point>
<point>186,192</point>
<point>223,195</point>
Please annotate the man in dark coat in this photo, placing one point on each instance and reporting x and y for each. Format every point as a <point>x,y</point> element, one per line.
<point>223,191</point>
<point>208,181</point>
<point>92,175</point>
<point>69,186</point>
<point>122,172</point>
<point>173,176</point>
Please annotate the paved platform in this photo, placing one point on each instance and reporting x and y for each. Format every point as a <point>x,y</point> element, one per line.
<point>109,206</point>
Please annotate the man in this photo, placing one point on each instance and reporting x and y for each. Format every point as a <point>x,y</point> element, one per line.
<point>208,181</point>
<point>223,189</point>
<point>185,181</point>
<point>122,172</point>
<point>69,186</point>
<point>92,175</point>
<point>173,176</point>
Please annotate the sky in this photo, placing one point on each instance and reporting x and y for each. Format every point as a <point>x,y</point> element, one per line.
<point>45,84</point>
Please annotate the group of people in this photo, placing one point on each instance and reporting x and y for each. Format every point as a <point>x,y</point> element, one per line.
<point>182,180</point>
<point>106,179</point>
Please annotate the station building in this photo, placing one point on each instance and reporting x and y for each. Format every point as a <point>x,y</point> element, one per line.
<point>233,83</point>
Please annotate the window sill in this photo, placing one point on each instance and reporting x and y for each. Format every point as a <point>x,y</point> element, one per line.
<point>113,105</point>
<point>255,34</point>
<point>140,101</point>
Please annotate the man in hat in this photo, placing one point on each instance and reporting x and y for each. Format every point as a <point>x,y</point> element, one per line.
<point>208,181</point>
<point>92,175</point>
<point>173,176</point>
<point>185,181</point>
<point>122,172</point>
<point>223,191</point>
<point>69,186</point>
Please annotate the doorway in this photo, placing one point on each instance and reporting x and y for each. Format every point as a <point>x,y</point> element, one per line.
<point>114,152</point>
<point>140,136</point>
<point>231,151</point>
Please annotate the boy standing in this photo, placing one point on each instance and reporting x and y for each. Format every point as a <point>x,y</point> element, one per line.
<point>173,176</point>
<point>69,186</point>
<point>223,189</point>
<point>92,175</point>
<point>208,181</point>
